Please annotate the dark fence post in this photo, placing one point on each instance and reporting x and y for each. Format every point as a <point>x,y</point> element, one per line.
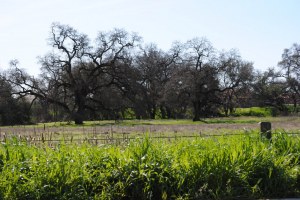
<point>265,130</point>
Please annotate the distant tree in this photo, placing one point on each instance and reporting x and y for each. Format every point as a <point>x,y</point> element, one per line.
<point>269,89</point>
<point>196,77</point>
<point>290,65</point>
<point>155,68</point>
<point>74,74</point>
<point>177,94</point>
<point>43,111</point>
<point>12,110</point>
<point>234,75</point>
<point>82,80</point>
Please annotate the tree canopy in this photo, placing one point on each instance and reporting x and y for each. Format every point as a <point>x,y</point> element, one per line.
<point>118,74</point>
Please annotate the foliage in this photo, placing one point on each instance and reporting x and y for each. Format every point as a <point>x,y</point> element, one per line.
<point>292,108</point>
<point>232,167</point>
<point>12,110</point>
<point>291,67</point>
<point>84,80</point>
<point>253,111</point>
<point>128,114</point>
<point>269,89</point>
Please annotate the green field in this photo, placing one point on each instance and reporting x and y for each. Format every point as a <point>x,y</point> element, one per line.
<point>224,167</point>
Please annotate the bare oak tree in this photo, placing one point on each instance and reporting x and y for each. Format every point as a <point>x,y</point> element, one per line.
<point>290,64</point>
<point>155,68</point>
<point>75,72</point>
<point>234,74</point>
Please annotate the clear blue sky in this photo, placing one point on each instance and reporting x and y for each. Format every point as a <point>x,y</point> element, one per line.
<point>259,29</point>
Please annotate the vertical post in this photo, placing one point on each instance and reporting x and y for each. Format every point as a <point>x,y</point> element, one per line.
<point>111,132</point>
<point>265,130</point>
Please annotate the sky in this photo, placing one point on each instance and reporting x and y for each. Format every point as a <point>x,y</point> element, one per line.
<point>259,29</point>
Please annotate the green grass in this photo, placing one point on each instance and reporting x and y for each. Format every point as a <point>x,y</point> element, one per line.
<point>232,167</point>
<point>255,111</point>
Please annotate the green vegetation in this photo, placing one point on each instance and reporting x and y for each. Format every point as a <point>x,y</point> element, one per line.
<point>293,109</point>
<point>232,167</point>
<point>255,111</point>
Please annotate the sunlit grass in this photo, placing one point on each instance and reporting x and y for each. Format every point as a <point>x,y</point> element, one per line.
<point>224,167</point>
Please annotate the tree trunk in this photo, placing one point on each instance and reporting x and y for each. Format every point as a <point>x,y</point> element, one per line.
<point>78,118</point>
<point>80,102</point>
<point>295,103</point>
<point>163,112</point>
<point>226,110</point>
<point>153,112</point>
<point>169,113</point>
<point>78,115</point>
<point>231,110</point>
<point>196,117</point>
<point>196,111</point>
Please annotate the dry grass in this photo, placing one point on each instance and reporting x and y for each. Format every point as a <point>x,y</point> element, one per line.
<point>106,130</point>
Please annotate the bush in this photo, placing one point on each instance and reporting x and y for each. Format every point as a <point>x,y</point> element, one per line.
<point>254,111</point>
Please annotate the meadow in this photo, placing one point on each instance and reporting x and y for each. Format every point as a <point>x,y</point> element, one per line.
<point>156,161</point>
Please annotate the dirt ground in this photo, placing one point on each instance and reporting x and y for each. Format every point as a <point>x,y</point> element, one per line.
<point>205,128</point>
<point>286,124</point>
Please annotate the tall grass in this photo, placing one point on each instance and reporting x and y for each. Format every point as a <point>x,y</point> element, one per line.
<point>235,167</point>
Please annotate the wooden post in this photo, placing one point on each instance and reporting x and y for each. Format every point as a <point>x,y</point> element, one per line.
<point>265,130</point>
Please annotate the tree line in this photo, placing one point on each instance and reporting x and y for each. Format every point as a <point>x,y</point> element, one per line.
<point>118,76</point>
